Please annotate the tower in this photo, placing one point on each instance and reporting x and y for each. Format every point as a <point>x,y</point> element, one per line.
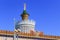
<point>25,25</point>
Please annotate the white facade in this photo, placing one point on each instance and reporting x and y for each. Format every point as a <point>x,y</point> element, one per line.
<point>26,25</point>
<point>5,38</point>
<point>11,38</point>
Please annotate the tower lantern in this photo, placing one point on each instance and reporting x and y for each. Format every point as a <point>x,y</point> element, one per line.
<point>24,15</point>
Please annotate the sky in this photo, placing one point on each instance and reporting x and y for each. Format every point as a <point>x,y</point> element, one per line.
<point>46,14</point>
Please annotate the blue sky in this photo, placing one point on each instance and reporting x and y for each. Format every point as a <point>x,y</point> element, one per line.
<point>46,13</point>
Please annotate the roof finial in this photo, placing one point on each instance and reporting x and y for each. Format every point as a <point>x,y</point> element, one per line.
<point>24,6</point>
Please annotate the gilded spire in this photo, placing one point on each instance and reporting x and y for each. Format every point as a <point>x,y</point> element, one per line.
<point>24,6</point>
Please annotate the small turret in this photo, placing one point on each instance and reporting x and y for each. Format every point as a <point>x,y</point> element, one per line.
<point>25,25</point>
